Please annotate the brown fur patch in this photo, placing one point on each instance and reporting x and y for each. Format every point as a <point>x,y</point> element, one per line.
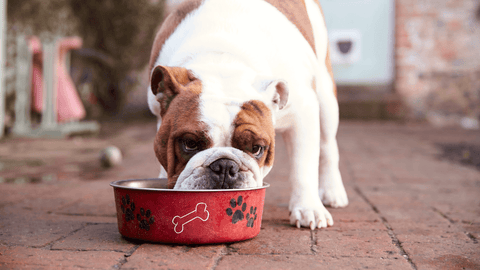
<point>296,12</point>
<point>170,81</point>
<point>169,26</point>
<point>176,124</point>
<point>253,126</point>
<point>180,117</point>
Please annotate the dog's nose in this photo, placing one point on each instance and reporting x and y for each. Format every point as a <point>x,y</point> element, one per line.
<point>224,173</point>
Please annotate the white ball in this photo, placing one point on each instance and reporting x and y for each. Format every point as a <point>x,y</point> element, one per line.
<point>110,156</point>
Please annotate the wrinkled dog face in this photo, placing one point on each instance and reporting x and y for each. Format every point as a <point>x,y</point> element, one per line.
<point>220,168</point>
<point>206,142</point>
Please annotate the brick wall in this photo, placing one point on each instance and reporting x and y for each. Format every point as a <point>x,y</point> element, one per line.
<point>438,59</point>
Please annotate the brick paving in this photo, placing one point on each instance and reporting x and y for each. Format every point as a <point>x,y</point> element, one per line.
<point>410,206</point>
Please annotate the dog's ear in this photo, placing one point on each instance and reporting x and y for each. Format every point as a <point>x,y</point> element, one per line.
<point>168,82</point>
<point>274,90</point>
<point>279,92</point>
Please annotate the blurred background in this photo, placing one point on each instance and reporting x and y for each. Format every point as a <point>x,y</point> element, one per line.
<point>409,60</point>
<point>107,69</point>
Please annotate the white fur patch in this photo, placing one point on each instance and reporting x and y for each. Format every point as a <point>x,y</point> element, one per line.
<point>193,176</point>
<point>219,115</point>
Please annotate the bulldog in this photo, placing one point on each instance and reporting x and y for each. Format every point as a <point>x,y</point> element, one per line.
<point>225,76</point>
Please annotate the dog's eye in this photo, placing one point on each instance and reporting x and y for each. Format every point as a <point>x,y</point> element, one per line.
<point>257,150</point>
<point>190,145</point>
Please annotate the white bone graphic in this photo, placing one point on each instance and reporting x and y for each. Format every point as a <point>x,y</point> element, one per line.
<point>200,212</point>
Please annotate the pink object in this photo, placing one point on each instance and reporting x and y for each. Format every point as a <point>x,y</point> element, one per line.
<point>146,210</point>
<point>37,74</point>
<point>69,104</point>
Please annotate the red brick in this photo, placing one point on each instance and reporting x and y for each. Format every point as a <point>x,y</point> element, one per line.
<point>26,228</point>
<point>433,231</point>
<point>59,195</point>
<point>403,41</point>
<point>447,262</point>
<point>15,193</point>
<point>158,256</point>
<point>94,199</point>
<point>444,255</point>
<point>275,212</point>
<point>35,258</point>
<point>473,229</point>
<point>356,239</point>
<point>356,211</point>
<point>308,262</point>
<point>419,24</point>
<point>277,238</point>
<point>95,237</point>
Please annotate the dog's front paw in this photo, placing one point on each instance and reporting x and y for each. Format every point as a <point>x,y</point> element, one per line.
<point>309,213</point>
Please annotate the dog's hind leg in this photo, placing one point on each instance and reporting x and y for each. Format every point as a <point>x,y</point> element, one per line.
<point>331,189</point>
<point>302,143</point>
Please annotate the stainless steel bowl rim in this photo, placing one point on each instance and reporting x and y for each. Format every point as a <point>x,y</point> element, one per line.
<point>121,184</point>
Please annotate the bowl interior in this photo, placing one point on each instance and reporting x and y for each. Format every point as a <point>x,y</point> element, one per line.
<point>154,183</point>
<point>161,184</point>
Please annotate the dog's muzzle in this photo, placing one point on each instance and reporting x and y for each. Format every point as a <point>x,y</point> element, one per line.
<point>220,168</point>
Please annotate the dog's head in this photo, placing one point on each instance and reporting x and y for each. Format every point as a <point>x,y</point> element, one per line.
<point>209,140</point>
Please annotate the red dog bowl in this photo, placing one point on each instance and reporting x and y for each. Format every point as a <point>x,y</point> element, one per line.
<point>147,210</point>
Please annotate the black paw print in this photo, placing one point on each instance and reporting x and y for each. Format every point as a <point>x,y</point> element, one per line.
<point>251,217</point>
<point>238,214</point>
<point>128,207</point>
<point>145,219</point>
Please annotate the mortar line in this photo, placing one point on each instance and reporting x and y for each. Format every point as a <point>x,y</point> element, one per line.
<point>219,257</point>
<point>298,254</point>
<point>390,232</point>
<point>86,250</point>
<point>275,254</point>
<point>443,215</point>
<point>49,245</point>
<point>389,228</point>
<point>313,241</point>
<point>58,209</point>
<point>468,234</point>
<point>124,260</point>
<point>80,214</point>
<point>472,237</point>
